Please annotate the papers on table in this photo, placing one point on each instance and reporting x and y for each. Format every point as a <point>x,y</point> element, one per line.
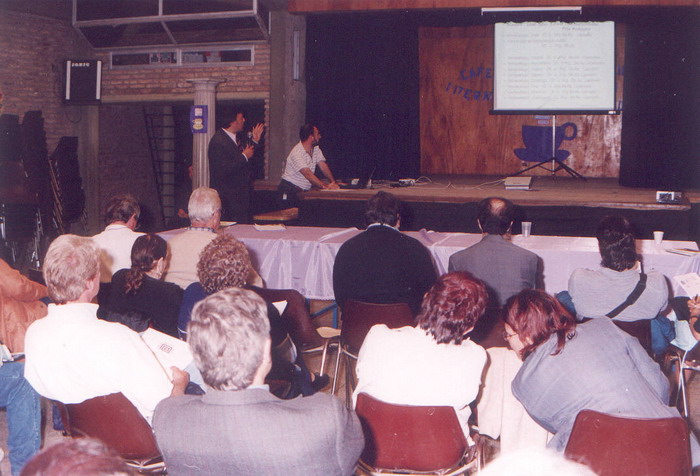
<point>690,283</point>
<point>170,351</point>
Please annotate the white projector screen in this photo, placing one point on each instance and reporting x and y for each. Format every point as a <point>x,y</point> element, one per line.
<point>554,67</point>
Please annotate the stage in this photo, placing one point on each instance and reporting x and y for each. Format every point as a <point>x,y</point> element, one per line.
<point>556,205</point>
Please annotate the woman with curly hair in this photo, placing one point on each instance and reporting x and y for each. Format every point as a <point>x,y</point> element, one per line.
<point>225,263</point>
<point>140,288</point>
<point>435,362</point>
<point>569,367</point>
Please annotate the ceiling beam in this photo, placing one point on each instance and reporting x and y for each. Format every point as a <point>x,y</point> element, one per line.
<point>319,6</point>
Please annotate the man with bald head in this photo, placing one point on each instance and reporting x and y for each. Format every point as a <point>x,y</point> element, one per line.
<point>505,268</point>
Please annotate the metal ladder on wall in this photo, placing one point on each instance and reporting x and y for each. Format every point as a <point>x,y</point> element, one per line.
<point>160,128</point>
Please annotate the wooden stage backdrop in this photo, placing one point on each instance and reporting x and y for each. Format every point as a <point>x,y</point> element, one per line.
<point>459,136</point>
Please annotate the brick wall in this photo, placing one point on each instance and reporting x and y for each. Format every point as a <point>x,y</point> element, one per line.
<point>32,50</point>
<point>173,80</point>
<point>125,162</point>
<point>240,81</point>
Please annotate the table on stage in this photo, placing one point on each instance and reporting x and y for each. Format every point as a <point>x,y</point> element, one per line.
<point>302,258</point>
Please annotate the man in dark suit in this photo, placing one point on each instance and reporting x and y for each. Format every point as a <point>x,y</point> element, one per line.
<point>505,268</point>
<point>239,427</point>
<point>231,160</point>
<point>382,265</point>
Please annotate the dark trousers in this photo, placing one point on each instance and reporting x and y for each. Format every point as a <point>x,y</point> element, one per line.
<point>287,194</point>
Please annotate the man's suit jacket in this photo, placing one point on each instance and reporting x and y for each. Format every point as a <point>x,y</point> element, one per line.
<point>505,268</point>
<point>252,432</point>
<point>230,174</point>
<point>382,265</point>
<point>602,368</point>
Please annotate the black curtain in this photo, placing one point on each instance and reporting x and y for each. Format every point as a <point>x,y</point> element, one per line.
<point>661,120</point>
<point>362,92</point>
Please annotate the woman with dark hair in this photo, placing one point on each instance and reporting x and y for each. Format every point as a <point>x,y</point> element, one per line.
<point>140,288</point>
<point>435,362</point>
<point>568,367</point>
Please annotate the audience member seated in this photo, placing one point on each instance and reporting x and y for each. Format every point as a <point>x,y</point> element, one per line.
<point>435,362</point>
<point>608,291</point>
<point>72,356</point>
<point>79,457</point>
<point>505,268</point>
<point>23,408</point>
<point>694,316</point>
<point>141,289</point>
<point>569,367</point>
<point>224,263</point>
<point>204,210</point>
<point>382,265</point>
<point>115,242</point>
<point>239,427</point>
<point>19,306</point>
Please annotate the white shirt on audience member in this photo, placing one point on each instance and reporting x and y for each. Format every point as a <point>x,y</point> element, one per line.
<point>406,366</point>
<point>184,255</point>
<point>115,244</point>
<point>72,356</point>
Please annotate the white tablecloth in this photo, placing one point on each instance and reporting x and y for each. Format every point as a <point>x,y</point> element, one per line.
<point>302,258</point>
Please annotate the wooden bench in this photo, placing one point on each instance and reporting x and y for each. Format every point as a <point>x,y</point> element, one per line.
<point>277,216</point>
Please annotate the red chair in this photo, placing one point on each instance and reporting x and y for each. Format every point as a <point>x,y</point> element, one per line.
<point>357,319</point>
<point>406,439</point>
<point>616,446</point>
<point>115,421</point>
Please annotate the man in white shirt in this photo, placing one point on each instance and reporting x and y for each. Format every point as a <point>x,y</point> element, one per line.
<point>300,167</point>
<point>72,356</point>
<point>118,237</point>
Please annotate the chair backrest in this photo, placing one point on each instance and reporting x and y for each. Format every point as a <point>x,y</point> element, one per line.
<point>114,420</point>
<point>616,446</point>
<point>640,329</point>
<point>417,438</point>
<point>359,317</point>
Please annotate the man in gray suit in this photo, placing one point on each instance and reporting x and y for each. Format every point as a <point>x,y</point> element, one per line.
<point>505,268</point>
<point>239,427</point>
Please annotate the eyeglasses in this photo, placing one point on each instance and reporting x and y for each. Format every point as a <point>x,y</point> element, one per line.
<point>507,336</point>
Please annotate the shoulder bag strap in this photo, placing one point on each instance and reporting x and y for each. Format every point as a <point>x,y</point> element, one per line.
<point>632,298</point>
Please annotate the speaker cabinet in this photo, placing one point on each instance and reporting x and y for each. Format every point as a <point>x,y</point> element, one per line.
<point>83,81</point>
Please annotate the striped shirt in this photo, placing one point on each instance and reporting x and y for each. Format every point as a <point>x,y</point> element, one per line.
<point>298,159</point>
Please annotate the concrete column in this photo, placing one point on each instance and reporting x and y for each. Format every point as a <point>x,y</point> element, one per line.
<point>204,95</point>
<point>287,94</point>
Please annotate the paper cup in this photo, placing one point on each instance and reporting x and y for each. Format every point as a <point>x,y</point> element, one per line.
<point>658,237</point>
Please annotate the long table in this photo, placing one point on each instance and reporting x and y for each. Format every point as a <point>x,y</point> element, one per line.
<point>302,258</point>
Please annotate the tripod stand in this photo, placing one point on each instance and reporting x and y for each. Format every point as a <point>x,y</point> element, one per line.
<point>555,161</point>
